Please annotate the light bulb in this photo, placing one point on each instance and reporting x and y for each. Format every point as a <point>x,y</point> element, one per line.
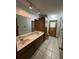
<point>30,7</point>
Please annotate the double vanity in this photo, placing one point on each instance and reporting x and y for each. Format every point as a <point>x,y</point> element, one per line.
<point>28,43</point>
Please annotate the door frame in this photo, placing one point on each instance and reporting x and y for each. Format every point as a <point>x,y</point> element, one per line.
<point>56,25</point>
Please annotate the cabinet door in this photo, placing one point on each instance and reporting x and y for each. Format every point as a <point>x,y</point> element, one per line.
<point>36,25</point>
<point>42,24</point>
<point>37,42</point>
<point>26,52</point>
<point>33,26</point>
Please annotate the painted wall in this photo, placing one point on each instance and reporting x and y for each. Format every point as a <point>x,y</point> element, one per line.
<point>24,24</point>
<point>53,17</point>
<point>61,34</point>
<point>58,28</point>
<point>59,31</point>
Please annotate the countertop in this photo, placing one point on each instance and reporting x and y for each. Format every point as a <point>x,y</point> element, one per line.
<point>24,40</point>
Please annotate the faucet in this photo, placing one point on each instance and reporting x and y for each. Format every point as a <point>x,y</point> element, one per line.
<point>21,38</point>
<point>37,32</point>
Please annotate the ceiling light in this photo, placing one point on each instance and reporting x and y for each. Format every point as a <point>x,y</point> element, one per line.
<point>30,7</point>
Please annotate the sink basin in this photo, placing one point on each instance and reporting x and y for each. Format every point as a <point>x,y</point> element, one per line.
<point>37,32</point>
<point>23,41</point>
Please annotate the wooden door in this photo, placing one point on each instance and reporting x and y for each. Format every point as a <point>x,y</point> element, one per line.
<point>52,28</point>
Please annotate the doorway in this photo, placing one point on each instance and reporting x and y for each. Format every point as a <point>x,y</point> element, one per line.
<point>52,28</point>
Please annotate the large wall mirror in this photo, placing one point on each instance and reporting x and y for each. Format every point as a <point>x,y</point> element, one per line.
<point>23,25</point>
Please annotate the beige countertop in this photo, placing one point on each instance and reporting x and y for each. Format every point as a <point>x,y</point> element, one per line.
<point>24,40</point>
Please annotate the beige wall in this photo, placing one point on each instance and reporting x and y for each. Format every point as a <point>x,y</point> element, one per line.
<point>58,28</point>
<point>61,35</point>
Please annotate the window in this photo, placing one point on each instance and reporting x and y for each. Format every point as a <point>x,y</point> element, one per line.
<point>52,24</point>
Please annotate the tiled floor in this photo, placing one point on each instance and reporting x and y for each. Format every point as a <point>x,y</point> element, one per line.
<point>48,50</point>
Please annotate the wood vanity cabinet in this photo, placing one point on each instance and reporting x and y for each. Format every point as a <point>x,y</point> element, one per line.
<point>26,52</point>
<point>29,50</point>
<point>40,25</point>
<point>38,42</point>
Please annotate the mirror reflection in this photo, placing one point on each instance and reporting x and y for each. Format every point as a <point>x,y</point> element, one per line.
<point>23,25</point>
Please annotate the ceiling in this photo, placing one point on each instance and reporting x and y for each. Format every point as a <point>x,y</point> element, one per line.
<point>48,7</point>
